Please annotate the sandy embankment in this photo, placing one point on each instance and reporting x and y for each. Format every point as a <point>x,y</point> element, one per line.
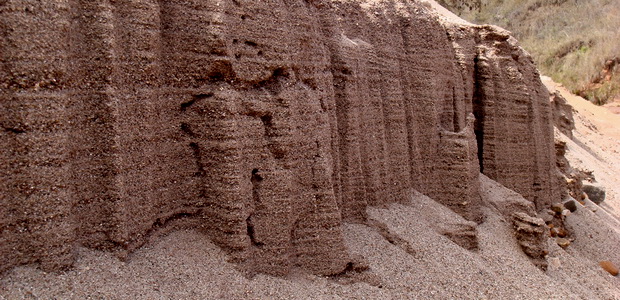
<point>412,259</point>
<point>419,262</point>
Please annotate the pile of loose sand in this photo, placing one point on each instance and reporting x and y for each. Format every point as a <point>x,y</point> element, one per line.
<point>186,265</point>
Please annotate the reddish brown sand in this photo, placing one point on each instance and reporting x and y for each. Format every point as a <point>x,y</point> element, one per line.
<point>263,124</point>
<point>186,265</point>
<point>421,263</point>
<point>408,247</point>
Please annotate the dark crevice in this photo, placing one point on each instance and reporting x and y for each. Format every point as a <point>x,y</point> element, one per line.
<point>256,176</point>
<point>480,142</point>
<point>14,130</point>
<point>251,44</point>
<point>251,233</point>
<point>256,180</point>
<point>195,99</point>
<point>197,155</point>
<point>268,125</point>
<point>479,114</point>
<point>267,121</point>
<point>186,128</point>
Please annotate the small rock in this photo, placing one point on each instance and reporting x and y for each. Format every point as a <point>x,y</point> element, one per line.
<point>609,267</point>
<point>565,212</point>
<point>547,217</point>
<point>562,232</point>
<point>557,208</point>
<point>595,192</point>
<point>562,242</point>
<point>553,232</point>
<point>571,205</point>
<point>555,262</point>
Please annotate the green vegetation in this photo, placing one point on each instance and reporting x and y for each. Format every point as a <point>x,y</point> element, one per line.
<point>576,42</point>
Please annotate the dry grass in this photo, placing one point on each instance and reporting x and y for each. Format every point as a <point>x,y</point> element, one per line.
<point>570,40</point>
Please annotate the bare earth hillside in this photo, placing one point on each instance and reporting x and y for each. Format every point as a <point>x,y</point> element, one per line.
<point>287,149</point>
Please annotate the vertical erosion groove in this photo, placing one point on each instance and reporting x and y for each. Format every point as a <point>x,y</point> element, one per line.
<point>200,169</point>
<point>479,113</point>
<point>256,180</point>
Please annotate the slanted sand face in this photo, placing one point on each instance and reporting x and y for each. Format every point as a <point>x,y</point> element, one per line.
<point>186,264</point>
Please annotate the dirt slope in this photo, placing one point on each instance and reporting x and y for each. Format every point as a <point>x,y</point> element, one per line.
<point>408,257</point>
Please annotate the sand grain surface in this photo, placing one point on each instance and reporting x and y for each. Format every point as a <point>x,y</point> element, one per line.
<point>404,246</point>
<point>186,265</point>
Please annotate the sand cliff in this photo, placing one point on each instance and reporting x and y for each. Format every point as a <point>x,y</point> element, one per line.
<point>264,124</point>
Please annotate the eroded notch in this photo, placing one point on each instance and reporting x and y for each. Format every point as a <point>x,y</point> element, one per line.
<point>196,151</point>
<point>195,99</point>
<point>186,128</point>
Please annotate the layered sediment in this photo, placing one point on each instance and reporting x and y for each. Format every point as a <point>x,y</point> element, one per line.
<point>265,123</point>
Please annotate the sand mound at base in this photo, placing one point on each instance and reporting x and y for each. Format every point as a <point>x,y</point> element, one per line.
<point>423,263</point>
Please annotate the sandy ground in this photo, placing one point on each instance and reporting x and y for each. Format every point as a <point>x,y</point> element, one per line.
<point>424,265</point>
<point>614,106</point>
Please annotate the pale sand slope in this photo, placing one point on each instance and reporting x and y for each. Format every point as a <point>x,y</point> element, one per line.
<point>186,265</point>
<point>595,145</point>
